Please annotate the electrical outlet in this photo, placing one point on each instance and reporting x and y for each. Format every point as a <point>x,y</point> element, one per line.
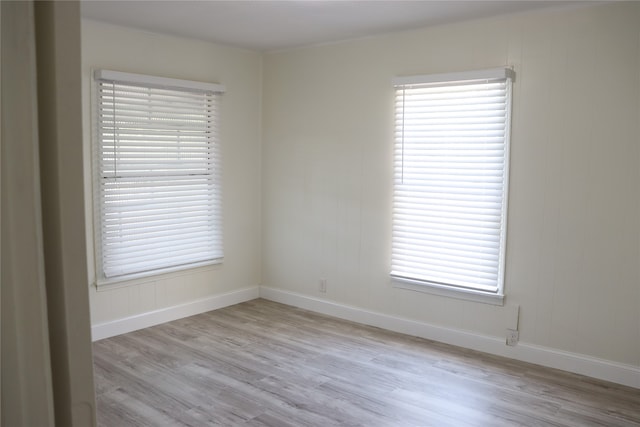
<point>323,285</point>
<point>512,337</point>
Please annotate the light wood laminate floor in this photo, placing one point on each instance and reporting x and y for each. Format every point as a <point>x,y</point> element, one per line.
<point>262,363</point>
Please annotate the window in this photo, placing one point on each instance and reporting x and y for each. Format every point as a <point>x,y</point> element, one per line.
<point>157,184</point>
<point>451,183</point>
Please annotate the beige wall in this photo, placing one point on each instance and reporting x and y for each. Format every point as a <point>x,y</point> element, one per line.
<point>47,369</point>
<point>64,244</point>
<point>574,219</point>
<point>312,199</point>
<point>26,383</point>
<point>122,49</point>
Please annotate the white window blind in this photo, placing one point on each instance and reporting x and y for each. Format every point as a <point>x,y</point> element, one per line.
<point>451,179</point>
<point>158,183</point>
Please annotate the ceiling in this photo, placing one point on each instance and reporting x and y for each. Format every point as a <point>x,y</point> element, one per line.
<point>277,25</point>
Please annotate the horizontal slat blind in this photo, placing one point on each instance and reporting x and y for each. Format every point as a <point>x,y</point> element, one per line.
<point>451,167</point>
<point>159,187</point>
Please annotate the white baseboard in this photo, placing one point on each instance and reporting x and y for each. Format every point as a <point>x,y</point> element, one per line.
<point>156,317</point>
<point>572,362</point>
<point>624,374</point>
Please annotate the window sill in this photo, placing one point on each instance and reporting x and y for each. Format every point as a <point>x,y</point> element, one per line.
<point>448,291</point>
<point>154,276</point>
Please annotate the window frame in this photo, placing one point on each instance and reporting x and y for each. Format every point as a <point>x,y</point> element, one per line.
<point>155,82</point>
<point>496,296</point>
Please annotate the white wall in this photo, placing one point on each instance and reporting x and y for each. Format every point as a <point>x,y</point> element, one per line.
<point>574,216</point>
<point>123,49</point>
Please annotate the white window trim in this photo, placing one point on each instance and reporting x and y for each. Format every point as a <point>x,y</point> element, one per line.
<point>463,76</point>
<point>469,294</point>
<point>100,281</point>
<point>144,277</point>
<point>448,291</point>
<point>166,274</point>
<point>165,82</point>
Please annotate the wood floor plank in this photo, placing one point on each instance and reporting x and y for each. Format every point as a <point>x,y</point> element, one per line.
<point>262,363</point>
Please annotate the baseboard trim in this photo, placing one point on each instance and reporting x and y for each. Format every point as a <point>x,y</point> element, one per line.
<point>156,317</point>
<point>607,370</point>
<point>619,373</point>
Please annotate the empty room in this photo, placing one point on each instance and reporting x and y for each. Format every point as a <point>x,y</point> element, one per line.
<point>321,213</point>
